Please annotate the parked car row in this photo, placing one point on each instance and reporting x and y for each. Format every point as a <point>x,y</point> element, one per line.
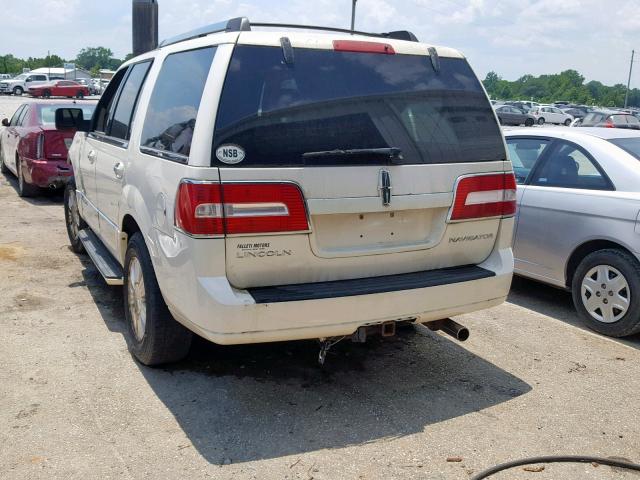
<point>276,204</point>
<point>43,85</point>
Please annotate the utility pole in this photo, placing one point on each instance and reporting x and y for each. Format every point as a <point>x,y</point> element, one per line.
<point>145,26</point>
<point>626,97</point>
<point>353,15</point>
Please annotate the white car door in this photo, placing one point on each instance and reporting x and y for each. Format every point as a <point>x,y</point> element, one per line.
<point>114,152</point>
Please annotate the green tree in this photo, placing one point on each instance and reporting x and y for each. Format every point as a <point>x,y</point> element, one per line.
<point>91,58</point>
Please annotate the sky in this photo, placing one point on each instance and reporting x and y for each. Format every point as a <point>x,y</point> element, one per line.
<point>510,37</point>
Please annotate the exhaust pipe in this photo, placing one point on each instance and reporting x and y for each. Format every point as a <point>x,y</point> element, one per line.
<point>450,327</point>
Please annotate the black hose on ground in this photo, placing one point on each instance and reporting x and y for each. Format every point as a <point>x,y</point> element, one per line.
<point>557,459</point>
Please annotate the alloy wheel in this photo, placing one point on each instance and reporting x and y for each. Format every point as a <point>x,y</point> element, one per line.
<point>605,294</point>
<point>74,215</point>
<point>137,299</point>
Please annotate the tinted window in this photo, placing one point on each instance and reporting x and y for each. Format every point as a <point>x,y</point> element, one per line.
<point>48,113</point>
<point>16,116</point>
<point>121,121</point>
<point>105,105</point>
<point>630,145</point>
<point>524,153</point>
<point>174,104</point>
<point>568,166</point>
<point>329,100</point>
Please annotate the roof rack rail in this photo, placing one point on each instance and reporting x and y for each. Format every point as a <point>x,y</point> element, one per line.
<point>242,24</point>
<point>239,24</point>
<point>398,35</point>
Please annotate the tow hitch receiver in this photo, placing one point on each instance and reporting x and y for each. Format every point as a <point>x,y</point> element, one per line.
<point>450,327</point>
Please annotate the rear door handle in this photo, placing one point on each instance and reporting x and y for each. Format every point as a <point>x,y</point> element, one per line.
<point>91,156</point>
<point>118,170</point>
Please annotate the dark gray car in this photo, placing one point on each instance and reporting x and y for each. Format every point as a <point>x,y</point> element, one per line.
<point>509,115</point>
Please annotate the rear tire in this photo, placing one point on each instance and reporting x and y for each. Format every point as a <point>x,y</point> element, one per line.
<point>46,94</point>
<point>155,337</point>
<point>3,167</point>
<point>567,122</point>
<point>80,95</point>
<point>541,121</point>
<point>615,310</point>
<point>25,189</point>
<point>74,221</point>
<point>528,122</point>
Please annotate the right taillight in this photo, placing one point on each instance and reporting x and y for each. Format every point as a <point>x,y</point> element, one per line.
<point>208,209</point>
<point>484,196</point>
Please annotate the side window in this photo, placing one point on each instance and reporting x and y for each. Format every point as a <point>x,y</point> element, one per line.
<point>23,116</point>
<point>123,114</point>
<point>524,154</point>
<point>41,78</point>
<point>173,108</point>
<point>568,166</point>
<point>101,116</point>
<point>16,116</point>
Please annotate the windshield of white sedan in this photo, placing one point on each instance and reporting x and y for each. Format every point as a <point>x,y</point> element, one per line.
<point>342,108</point>
<point>629,145</point>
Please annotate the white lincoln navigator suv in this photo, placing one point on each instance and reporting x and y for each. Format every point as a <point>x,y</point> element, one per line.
<point>256,183</point>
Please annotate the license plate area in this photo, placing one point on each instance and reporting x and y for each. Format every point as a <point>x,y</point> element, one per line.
<point>346,235</point>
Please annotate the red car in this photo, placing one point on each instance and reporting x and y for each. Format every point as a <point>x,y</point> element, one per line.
<point>60,88</point>
<point>33,150</point>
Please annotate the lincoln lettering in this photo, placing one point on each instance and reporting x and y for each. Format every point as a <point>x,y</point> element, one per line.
<point>264,253</point>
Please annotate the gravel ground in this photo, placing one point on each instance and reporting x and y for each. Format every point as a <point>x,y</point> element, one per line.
<point>74,404</point>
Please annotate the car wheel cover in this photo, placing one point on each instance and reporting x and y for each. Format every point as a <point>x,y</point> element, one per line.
<point>605,294</point>
<point>74,215</point>
<point>137,298</point>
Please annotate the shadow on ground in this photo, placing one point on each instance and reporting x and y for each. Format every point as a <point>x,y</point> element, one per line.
<point>45,196</point>
<point>554,303</point>
<point>252,402</point>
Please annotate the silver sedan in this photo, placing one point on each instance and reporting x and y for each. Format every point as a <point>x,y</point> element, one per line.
<point>578,220</point>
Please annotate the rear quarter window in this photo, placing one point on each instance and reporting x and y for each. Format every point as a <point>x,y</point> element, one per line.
<point>326,101</point>
<point>175,101</point>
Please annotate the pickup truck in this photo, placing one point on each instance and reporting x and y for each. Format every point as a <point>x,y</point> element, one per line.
<point>22,83</point>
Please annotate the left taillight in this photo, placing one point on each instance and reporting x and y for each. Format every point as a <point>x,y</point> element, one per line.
<point>40,146</point>
<point>484,196</point>
<point>214,209</point>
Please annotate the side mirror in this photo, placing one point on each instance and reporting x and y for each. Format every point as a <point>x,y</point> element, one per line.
<point>5,122</point>
<point>71,119</point>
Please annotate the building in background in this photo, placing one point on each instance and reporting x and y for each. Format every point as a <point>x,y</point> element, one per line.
<point>66,73</point>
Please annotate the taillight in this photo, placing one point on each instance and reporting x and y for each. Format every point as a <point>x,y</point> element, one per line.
<point>357,46</point>
<point>609,123</point>
<point>210,209</point>
<point>483,196</point>
<point>40,146</point>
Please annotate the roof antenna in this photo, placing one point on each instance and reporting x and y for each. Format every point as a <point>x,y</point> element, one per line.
<point>353,15</point>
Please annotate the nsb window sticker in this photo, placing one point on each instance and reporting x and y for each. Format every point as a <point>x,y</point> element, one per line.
<point>230,154</point>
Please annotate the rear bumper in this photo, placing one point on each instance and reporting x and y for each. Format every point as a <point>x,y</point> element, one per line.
<point>228,316</point>
<point>44,174</point>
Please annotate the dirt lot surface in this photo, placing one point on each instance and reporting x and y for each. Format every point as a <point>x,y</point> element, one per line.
<point>75,405</point>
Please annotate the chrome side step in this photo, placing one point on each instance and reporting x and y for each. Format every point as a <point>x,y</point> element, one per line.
<point>106,264</point>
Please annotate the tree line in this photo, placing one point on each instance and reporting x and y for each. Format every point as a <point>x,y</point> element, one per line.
<point>91,59</point>
<point>568,85</point>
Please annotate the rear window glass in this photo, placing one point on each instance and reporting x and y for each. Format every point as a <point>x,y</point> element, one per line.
<point>629,145</point>
<point>48,113</point>
<point>326,101</point>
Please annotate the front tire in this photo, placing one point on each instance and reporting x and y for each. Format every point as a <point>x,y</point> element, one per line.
<point>528,122</point>
<point>74,221</point>
<point>567,122</point>
<point>541,121</point>
<point>606,292</point>
<point>155,337</point>
<point>18,91</point>
<point>80,95</point>
<point>46,94</point>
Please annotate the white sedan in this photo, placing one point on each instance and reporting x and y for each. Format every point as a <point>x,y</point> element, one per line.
<point>547,114</point>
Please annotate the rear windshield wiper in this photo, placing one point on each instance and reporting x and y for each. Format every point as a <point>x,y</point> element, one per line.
<point>392,153</point>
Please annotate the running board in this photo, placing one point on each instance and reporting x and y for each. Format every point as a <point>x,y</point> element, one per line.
<point>106,264</point>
